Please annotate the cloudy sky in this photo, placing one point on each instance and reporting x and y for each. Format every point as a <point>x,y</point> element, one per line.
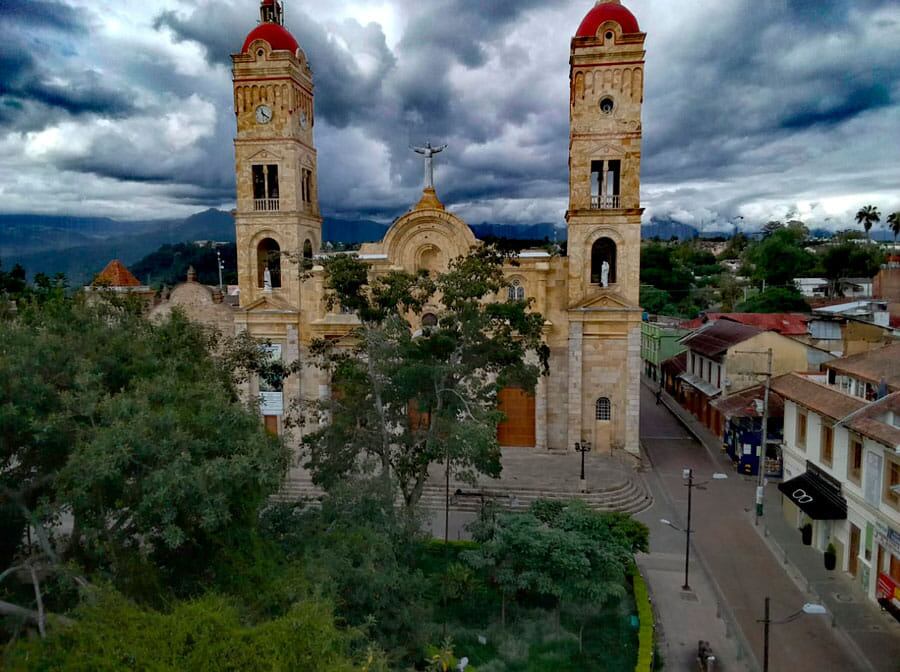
<point>755,108</point>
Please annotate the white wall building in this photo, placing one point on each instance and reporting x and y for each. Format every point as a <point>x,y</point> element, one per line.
<point>842,464</point>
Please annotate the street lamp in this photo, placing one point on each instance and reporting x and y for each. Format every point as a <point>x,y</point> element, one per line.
<point>583,447</point>
<point>221,266</point>
<point>808,608</point>
<point>688,476</point>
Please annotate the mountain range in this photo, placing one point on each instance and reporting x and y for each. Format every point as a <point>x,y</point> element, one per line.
<point>81,246</point>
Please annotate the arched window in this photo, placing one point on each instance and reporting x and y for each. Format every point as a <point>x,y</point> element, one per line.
<point>307,255</point>
<point>268,255</point>
<point>429,320</point>
<point>604,250</point>
<point>516,291</point>
<point>604,409</point>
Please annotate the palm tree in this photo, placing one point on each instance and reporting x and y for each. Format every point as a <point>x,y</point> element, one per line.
<point>867,216</point>
<point>893,221</point>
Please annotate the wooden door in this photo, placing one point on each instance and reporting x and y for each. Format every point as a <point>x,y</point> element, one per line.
<point>518,429</point>
<point>853,560</point>
<point>271,424</point>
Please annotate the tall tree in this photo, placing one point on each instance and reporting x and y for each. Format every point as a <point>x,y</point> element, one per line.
<point>867,216</point>
<point>893,221</point>
<point>407,397</point>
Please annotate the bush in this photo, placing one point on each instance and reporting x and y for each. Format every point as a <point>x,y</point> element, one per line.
<point>645,633</point>
<point>207,634</point>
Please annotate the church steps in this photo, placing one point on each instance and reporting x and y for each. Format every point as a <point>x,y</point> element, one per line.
<point>627,497</point>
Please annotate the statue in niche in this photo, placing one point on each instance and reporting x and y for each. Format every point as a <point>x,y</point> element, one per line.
<point>267,280</point>
<point>604,274</point>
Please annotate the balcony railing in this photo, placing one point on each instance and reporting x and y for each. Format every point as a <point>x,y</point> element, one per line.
<point>605,202</point>
<point>265,204</point>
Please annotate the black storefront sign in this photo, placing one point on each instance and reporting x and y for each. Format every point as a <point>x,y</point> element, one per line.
<point>817,494</point>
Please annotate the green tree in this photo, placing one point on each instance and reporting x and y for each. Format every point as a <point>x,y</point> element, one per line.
<point>771,227</point>
<point>656,301</point>
<point>867,216</point>
<point>775,300</point>
<point>134,429</point>
<point>849,260</point>
<point>778,259</point>
<point>406,398</point>
<point>893,221</point>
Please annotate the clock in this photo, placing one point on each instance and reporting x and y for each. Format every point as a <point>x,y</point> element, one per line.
<point>263,114</point>
<point>304,119</point>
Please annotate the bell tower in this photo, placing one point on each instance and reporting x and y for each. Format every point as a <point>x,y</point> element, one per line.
<point>606,96</point>
<point>278,221</point>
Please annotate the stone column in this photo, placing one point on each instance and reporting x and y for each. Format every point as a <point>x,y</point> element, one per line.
<point>633,392</point>
<point>576,344</point>
<point>540,413</point>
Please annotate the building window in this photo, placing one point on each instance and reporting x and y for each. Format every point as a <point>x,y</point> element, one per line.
<point>892,484</point>
<point>516,291</point>
<point>801,430</point>
<point>827,452</point>
<point>604,409</point>
<point>306,185</point>
<point>603,252</point>
<point>855,460</point>
<point>429,320</point>
<point>606,180</point>
<point>307,255</point>
<point>265,187</point>
<point>268,256</point>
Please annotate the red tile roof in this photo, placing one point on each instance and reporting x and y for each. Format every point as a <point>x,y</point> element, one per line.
<point>675,365</point>
<point>871,422</point>
<point>715,338</point>
<point>872,366</point>
<point>116,275</point>
<point>741,404</point>
<point>786,324</point>
<point>817,397</point>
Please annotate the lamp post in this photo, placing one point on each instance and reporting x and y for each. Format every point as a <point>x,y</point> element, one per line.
<point>221,266</point>
<point>808,608</point>
<point>583,447</point>
<point>688,476</point>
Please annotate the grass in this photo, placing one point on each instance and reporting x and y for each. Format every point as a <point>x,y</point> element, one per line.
<point>535,638</point>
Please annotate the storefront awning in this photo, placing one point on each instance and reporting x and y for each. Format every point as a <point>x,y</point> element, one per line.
<point>699,384</point>
<point>815,496</point>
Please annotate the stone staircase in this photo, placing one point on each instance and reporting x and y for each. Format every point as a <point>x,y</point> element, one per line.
<point>626,496</point>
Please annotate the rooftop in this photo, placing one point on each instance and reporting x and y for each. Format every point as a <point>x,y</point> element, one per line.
<point>115,275</point>
<point>872,366</point>
<point>715,338</point>
<point>786,324</point>
<point>743,404</point>
<point>607,10</point>
<point>816,396</point>
<point>871,421</point>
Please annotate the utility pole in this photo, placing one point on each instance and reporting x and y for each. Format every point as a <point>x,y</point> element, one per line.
<point>761,468</point>
<point>687,531</point>
<point>219,264</point>
<point>767,622</point>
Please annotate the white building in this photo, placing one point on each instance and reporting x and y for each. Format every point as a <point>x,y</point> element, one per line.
<point>842,464</point>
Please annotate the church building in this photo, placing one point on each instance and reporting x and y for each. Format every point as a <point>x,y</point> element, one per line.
<point>589,297</point>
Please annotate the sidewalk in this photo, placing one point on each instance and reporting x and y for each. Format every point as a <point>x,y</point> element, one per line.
<point>869,634</point>
<point>875,633</point>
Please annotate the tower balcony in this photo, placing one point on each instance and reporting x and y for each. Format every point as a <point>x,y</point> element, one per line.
<point>266,204</point>
<point>605,202</point>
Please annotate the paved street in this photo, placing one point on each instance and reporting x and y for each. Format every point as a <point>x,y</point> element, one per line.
<point>740,562</point>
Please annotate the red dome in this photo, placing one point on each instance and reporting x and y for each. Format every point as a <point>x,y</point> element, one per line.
<point>276,35</point>
<point>609,10</point>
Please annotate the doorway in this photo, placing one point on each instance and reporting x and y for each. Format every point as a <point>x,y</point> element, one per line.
<point>853,560</point>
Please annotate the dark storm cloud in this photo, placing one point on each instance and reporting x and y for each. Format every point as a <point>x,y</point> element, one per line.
<point>42,14</point>
<point>763,100</point>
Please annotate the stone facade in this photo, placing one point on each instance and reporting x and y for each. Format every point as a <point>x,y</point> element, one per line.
<point>593,330</point>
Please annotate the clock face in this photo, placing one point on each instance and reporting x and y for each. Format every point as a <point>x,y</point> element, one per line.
<point>304,119</point>
<point>263,114</point>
